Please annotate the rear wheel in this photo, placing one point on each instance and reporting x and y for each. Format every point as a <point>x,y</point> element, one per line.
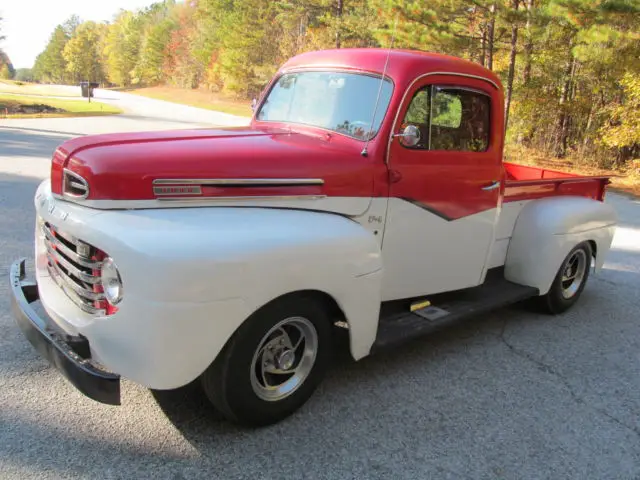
<point>569,281</point>
<point>273,363</point>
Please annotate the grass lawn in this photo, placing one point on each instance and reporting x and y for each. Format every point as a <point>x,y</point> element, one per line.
<point>196,98</point>
<point>16,106</point>
<point>625,181</point>
<point>23,88</point>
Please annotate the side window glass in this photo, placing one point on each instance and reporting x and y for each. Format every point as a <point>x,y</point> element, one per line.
<point>460,120</point>
<point>450,118</point>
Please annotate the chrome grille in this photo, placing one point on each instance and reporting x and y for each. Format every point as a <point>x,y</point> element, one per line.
<point>73,266</point>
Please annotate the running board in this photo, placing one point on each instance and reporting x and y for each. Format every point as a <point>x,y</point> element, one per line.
<point>399,324</point>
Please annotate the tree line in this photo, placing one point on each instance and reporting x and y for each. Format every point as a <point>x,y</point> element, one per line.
<point>570,68</point>
<point>6,68</point>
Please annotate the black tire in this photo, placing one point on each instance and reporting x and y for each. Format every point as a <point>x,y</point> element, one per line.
<point>227,381</point>
<point>554,302</point>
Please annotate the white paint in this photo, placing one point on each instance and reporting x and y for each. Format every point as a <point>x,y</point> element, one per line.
<point>498,253</point>
<point>504,228</point>
<point>192,276</point>
<point>507,218</point>
<point>425,254</point>
<point>546,231</point>
<point>374,219</point>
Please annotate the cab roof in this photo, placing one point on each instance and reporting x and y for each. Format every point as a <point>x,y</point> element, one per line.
<point>403,67</point>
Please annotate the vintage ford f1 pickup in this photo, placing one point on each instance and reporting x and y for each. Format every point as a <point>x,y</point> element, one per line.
<point>367,194</point>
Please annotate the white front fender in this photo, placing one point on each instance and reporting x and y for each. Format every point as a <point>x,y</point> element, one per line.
<point>547,229</point>
<point>191,277</point>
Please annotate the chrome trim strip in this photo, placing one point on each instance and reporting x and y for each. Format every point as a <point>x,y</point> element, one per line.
<point>245,198</point>
<point>83,184</point>
<point>79,274</point>
<point>75,298</point>
<point>239,181</point>
<point>410,87</point>
<point>82,292</point>
<point>70,253</point>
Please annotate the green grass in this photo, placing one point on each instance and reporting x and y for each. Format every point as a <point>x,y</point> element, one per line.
<point>196,98</point>
<point>25,88</point>
<point>67,108</point>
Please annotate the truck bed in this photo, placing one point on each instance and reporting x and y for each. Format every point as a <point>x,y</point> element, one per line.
<point>528,183</point>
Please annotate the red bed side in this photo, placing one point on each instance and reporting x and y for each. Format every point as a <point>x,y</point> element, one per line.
<point>528,183</point>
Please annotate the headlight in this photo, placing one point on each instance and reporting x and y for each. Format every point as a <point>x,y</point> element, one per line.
<point>111,281</point>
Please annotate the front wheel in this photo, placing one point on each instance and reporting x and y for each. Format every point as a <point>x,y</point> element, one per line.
<point>569,281</point>
<point>273,363</point>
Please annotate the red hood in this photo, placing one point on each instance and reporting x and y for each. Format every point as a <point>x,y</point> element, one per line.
<point>124,166</point>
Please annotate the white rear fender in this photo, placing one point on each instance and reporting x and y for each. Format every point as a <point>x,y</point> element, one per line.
<point>547,229</point>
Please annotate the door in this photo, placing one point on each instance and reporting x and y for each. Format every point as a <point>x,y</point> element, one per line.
<point>446,189</point>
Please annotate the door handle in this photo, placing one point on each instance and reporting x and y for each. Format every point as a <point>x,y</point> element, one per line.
<point>493,186</point>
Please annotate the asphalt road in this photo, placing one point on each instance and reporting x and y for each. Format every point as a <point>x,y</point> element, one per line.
<point>511,395</point>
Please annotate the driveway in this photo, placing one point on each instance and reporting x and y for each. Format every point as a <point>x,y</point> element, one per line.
<point>509,395</point>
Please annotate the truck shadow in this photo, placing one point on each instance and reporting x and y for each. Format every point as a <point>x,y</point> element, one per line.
<point>347,379</point>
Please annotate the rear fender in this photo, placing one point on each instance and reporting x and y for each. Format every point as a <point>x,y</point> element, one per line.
<point>547,229</point>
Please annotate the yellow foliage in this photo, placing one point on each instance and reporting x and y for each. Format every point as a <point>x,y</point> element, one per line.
<point>625,117</point>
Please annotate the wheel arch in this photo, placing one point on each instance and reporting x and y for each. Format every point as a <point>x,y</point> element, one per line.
<point>361,320</point>
<point>322,297</point>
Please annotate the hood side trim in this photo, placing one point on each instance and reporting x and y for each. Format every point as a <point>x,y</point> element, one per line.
<point>245,198</point>
<point>240,182</point>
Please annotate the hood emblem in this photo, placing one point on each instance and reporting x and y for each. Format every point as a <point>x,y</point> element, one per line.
<point>177,190</point>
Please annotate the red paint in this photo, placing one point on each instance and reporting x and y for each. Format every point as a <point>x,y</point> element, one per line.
<point>529,183</point>
<point>450,182</point>
<point>123,166</point>
<point>119,171</point>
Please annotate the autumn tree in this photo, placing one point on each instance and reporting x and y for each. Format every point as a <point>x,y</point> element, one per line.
<point>50,65</point>
<point>82,53</point>
<point>157,25</point>
<point>622,131</point>
<point>122,48</point>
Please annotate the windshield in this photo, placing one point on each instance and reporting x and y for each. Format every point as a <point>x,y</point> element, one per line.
<point>337,101</point>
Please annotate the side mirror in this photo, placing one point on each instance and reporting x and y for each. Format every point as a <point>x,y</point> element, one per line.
<point>410,136</point>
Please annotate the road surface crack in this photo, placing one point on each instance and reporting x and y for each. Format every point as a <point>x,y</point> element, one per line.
<point>551,371</point>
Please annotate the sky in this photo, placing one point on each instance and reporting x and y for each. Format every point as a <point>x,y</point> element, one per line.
<point>27,24</point>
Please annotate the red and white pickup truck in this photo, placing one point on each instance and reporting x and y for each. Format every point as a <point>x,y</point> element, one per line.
<point>368,193</point>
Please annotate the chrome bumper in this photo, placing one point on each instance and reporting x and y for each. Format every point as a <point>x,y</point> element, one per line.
<point>69,354</point>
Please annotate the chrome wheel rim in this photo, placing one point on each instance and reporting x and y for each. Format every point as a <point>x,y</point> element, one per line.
<point>573,273</point>
<point>284,358</point>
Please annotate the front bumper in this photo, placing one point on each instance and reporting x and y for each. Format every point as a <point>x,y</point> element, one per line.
<point>69,354</point>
